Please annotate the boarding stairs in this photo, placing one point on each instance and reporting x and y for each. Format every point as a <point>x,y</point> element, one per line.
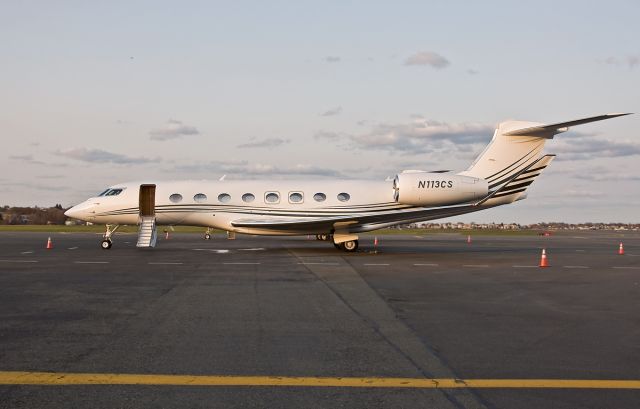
<point>147,233</point>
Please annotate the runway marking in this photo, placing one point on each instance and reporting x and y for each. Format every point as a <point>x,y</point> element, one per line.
<point>61,379</point>
<point>19,261</point>
<point>476,265</point>
<point>163,263</point>
<point>253,249</point>
<point>427,264</point>
<point>375,264</point>
<point>628,267</point>
<point>320,264</point>
<point>580,251</point>
<point>91,262</point>
<point>72,248</point>
<point>575,266</point>
<point>633,255</point>
<point>524,266</point>
<point>240,263</point>
<point>27,252</point>
<point>213,250</point>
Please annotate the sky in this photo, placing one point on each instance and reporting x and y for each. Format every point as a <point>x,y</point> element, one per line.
<point>97,93</point>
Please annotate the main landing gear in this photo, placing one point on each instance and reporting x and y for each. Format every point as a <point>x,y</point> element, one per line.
<point>207,234</point>
<point>349,246</point>
<point>106,242</point>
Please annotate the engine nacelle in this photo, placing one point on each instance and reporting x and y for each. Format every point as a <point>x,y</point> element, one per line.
<point>437,189</point>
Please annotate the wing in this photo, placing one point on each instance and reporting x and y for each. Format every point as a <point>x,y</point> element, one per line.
<point>360,221</point>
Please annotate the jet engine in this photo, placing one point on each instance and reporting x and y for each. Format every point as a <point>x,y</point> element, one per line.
<point>437,189</point>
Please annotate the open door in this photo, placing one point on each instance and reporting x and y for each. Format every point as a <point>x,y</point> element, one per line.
<point>147,200</point>
<point>147,233</point>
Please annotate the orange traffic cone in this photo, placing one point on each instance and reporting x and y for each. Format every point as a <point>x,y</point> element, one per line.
<point>469,239</point>
<point>621,249</point>
<point>375,241</point>
<point>49,244</point>
<point>543,259</point>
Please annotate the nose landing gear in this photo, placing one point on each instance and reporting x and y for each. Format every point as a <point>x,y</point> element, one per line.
<point>106,242</point>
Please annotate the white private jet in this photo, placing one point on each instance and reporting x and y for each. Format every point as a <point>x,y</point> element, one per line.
<point>332,210</point>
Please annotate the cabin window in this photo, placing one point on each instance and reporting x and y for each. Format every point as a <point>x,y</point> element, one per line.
<point>319,197</point>
<point>113,192</point>
<point>224,197</point>
<point>176,198</point>
<point>272,197</point>
<point>200,198</point>
<point>248,197</point>
<point>344,197</point>
<point>295,197</point>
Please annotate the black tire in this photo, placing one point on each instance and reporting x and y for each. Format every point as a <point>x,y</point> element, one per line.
<point>106,244</point>
<point>349,246</point>
<point>207,236</point>
<point>324,237</point>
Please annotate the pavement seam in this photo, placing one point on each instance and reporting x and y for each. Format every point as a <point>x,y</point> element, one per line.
<point>392,328</point>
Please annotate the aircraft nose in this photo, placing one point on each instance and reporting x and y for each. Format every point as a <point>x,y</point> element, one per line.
<point>80,211</point>
<point>72,212</point>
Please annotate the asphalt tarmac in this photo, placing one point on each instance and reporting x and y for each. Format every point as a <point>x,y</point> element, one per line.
<point>258,308</point>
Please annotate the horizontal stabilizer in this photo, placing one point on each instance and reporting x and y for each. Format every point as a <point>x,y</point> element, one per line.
<point>547,131</point>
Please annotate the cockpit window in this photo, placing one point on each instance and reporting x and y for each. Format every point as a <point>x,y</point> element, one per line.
<point>103,193</point>
<point>113,192</point>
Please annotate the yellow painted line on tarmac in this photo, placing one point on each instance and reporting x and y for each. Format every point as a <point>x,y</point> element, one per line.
<point>60,379</point>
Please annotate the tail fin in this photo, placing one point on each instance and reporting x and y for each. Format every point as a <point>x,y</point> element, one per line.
<point>516,145</point>
<point>513,188</point>
<point>513,157</point>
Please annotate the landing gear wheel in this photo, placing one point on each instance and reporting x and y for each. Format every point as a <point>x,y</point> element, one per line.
<point>324,237</point>
<point>207,236</point>
<point>349,246</point>
<point>106,244</point>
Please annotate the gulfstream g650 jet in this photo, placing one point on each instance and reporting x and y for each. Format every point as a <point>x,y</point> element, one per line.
<point>332,210</point>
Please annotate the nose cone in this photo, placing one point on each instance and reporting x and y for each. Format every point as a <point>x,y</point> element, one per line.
<point>72,212</point>
<point>81,211</point>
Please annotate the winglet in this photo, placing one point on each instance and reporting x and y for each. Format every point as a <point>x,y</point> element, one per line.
<point>548,131</point>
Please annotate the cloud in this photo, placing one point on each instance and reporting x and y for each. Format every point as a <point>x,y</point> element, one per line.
<point>26,158</point>
<point>332,112</point>
<point>331,58</point>
<point>429,58</point>
<point>422,135</point>
<point>591,148</point>
<point>630,61</point>
<point>327,135</point>
<point>265,143</point>
<point>101,156</point>
<point>246,169</point>
<point>172,130</point>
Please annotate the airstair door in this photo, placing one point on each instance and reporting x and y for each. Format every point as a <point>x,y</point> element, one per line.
<point>147,200</point>
<point>147,233</point>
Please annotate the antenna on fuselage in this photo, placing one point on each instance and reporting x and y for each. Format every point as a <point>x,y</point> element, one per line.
<point>222,178</point>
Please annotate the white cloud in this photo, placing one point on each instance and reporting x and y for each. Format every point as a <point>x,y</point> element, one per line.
<point>245,169</point>
<point>631,61</point>
<point>589,147</point>
<point>173,129</point>
<point>429,58</point>
<point>420,136</point>
<point>268,143</point>
<point>332,112</point>
<point>101,156</point>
